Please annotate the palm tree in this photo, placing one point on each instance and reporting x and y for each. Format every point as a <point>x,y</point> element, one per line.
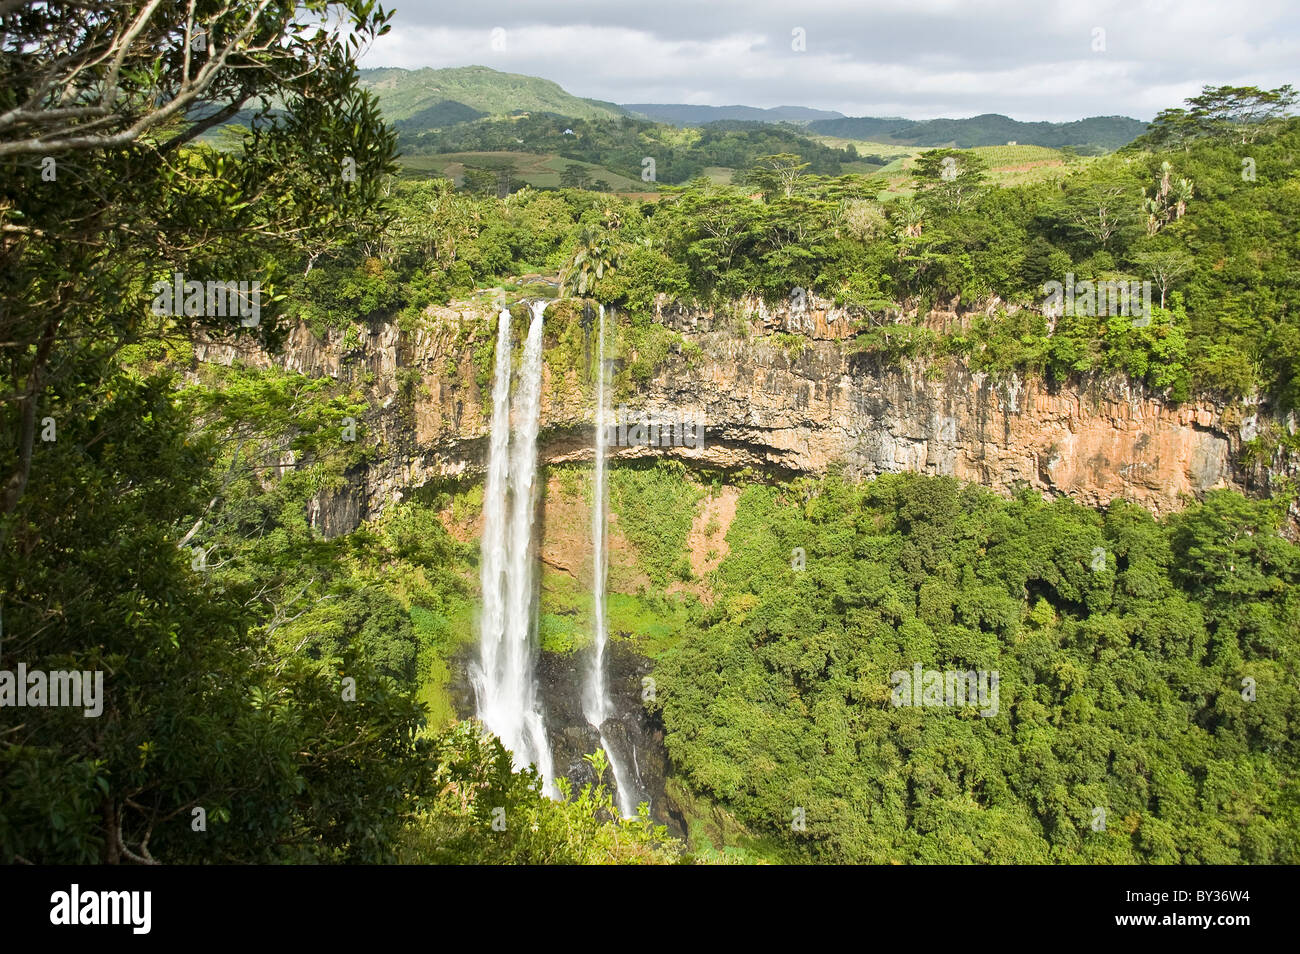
<point>598,252</point>
<point>1169,201</point>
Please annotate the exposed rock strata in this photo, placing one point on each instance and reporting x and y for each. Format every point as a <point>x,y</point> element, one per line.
<point>789,405</point>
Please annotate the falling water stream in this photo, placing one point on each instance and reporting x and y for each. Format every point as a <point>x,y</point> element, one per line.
<point>505,681</point>
<point>596,704</point>
<point>505,678</point>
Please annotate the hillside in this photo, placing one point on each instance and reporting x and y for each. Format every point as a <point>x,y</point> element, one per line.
<point>541,171</point>
<point>685,115</point>
<point>417,101</point>
<point>621,145</point>
<point>1100,133</point>
<point>435,95</point>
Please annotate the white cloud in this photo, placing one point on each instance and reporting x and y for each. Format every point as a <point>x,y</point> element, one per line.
<point>1029,59</point>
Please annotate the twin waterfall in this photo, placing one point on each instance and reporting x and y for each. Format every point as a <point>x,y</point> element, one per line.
<point>505,682</point>
<point>505,679</point>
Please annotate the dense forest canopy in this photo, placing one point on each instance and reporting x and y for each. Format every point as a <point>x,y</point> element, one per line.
<point>1121,687</point>
<point>1211,228</point>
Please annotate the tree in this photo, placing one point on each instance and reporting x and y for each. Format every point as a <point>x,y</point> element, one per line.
<point>1240,110</point>
<point>1164,267</point>
<point>435,223</point>
<point>1168,199</point>
<point>81,77</point>
<point>949,178</point>
<point>380,627</point>
<point>193,717</point>
<point>1137,663</point>
<point>507,183</point>
<point>575,176</point>
<point>1099,211</point>
<point>104,190</point>
<point>1231,547</point>
<point>777,174</point>
<point>473,782</point>
<point>712,226</point>
<point>598,251</point>
<point>1221,112</point>
<point>479,181</point>
<point>864,219</point>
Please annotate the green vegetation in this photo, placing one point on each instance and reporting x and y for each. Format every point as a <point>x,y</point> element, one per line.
<point>1214,244</point>
<point>269,679</point>
<point>1023,165</point>
<point>656,507</point>
<point>1093,135</point>
<point>284,669</point>
<point>1123,688</point>
<point>428,97</point>
<point>565,616</point>
<point>622,145</point>
<point>484,813</point>
<point>511,171</point>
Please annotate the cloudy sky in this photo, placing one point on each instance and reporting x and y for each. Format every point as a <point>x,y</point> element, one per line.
<point>1030,59</point>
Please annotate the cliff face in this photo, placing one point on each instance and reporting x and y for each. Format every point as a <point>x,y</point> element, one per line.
<point>797,404</point>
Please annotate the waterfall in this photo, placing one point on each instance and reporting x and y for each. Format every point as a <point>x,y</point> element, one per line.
<point>596,704</point>
<point>505,678</point>
<point>505,681</point>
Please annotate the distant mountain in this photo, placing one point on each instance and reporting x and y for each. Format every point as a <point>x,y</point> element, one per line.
<point>1098,132</point>
<point>683,115</point>
<point>428,98</point>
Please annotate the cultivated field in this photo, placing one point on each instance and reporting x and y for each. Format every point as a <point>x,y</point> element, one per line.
<point>536,169</point>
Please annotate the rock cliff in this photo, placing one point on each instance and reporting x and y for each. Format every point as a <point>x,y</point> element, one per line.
<point>781,392</point>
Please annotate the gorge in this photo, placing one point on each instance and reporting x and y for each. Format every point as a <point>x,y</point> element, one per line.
<point>586,489</point>
<point>779,395</point>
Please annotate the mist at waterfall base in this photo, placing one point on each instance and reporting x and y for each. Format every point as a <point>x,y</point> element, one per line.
<point>505,678</point>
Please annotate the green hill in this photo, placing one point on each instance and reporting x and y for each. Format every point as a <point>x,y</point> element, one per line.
<point>1097,133</point>
<point>430,97</point>
<point>684,115</point>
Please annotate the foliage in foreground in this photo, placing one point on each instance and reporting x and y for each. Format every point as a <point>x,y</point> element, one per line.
<point>169,542</point>
<point>485,813</point>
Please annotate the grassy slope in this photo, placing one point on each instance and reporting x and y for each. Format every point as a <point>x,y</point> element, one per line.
<point>536,169</point>
<point>403,93</point>
<point>1007,165</point>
